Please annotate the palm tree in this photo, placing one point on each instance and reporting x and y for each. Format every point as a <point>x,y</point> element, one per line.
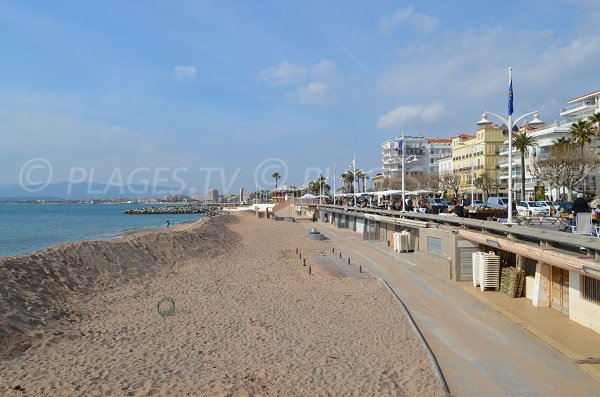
<point>485,183</point>
<point>360,176</point>
<point>522,142</point>
<point>595,120</point>
<point>581,133</point>
<point>276,176</point>
<point>348,178</point>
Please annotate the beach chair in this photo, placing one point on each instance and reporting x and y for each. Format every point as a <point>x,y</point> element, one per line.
<point>583,224</point>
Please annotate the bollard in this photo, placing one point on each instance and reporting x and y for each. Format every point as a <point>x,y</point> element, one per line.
<point>304,261</point>
<point>360,268</point>
<point>296,250</point>
<point>348,260</point>
<point>340,255</point>
<point>332,250</point>
<point>300,255</point>
<point>310,270</point>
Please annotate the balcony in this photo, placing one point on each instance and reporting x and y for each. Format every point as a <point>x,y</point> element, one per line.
<point>578,107</point>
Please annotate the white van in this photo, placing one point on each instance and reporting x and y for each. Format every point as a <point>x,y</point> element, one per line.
<point>497,202</point>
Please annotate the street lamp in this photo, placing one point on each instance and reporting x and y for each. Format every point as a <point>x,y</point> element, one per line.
<point>409,159</point>
<point>509,123</point>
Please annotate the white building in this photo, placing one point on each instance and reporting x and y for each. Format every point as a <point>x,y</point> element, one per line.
<point>212,195</point>
<point>445,165</point>
<point>427,153</point>
<point>579,108</point>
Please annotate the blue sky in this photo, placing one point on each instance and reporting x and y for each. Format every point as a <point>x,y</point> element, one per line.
<point>100,89</point>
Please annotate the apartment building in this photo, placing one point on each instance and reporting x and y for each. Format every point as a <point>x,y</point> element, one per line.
<point>477,154</point>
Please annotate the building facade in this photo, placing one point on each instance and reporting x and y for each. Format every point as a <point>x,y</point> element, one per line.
<point>476,155</point>
<point>577,109</point>
<point>421,156</point>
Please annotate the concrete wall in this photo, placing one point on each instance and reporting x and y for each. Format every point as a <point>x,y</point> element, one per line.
<point>529,281</point>
<point>360,225</point>
<point>582,311</point>
<point>441,265</point>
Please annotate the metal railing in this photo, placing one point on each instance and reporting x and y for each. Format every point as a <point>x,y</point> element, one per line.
<point>523,232</point>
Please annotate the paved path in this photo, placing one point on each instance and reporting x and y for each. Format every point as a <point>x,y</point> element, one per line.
<point>481,352</point>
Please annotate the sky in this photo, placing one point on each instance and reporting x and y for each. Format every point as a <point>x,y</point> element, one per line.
<point>222,94</point>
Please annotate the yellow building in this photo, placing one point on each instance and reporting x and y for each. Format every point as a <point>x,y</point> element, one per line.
<point>478,154</point>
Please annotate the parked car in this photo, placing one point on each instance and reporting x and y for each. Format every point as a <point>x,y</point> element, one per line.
<point>478,203</point>
<point>437,205</point>
<point>532,208</point>
<point>551,204</point>
<point>436,201</point>
<point>567,207</point>
<point>497,202</point>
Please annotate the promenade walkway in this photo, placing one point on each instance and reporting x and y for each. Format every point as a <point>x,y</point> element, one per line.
<point>486,343</point>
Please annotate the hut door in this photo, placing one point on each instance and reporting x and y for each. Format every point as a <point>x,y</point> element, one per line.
<point>560,289</point>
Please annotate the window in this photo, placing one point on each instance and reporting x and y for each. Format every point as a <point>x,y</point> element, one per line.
<point>434,245</point>
<point>591,289</point>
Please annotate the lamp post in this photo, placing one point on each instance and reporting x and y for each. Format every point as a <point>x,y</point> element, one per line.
<point>509,123</point>
<point>410,159</point>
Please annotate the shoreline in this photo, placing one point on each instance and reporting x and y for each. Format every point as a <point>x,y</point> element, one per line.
<point>109,235</point>
<point>249,319</point>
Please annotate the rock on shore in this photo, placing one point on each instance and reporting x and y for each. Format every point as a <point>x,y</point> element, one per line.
<point>176,209</point>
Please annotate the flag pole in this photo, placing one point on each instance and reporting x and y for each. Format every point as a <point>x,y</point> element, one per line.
<point>354,171</point>
<point>403,192</point>
<point>334,177</point>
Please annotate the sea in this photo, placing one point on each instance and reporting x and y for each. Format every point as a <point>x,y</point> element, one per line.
<point>25,228</point>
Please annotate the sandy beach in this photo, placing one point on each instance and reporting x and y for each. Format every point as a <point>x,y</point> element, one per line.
<point>81,319</point>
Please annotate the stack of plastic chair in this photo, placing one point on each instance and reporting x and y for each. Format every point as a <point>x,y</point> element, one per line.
<point>489,272</point>
<point>477,258</point>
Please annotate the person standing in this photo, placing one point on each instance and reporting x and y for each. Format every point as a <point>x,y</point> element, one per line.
<point>459,209</point>
<point>580,205</point>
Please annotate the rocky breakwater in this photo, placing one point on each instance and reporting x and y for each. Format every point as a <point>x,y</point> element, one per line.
<point>176,209</point>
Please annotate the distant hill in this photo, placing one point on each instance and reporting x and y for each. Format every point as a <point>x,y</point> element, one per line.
<point>83,191</point>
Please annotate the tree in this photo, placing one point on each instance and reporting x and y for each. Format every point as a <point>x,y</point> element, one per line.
<point>581,133</point>
<point>522,142</point>
<point>450,181</point>
<point>564,168</point>
<point>497,185</point>
<point>595,120</point>
<point>485,182</point>
<point>361,176</point>
<point>348,178</point>
<point>561,144</point>
<point>316,185</point>
<point>276,176</point>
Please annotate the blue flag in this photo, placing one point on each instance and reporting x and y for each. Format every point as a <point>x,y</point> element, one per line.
<point>510,99</point>
<point>399,149</point>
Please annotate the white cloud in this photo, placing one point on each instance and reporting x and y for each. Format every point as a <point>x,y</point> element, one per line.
<point>402,115</point>
<point>315,93</point>
<point>324,70</point>
<point>285,73</point>
<point>421,23</point>
<point>184,72</point>
<point>313,85</point>
<point>466,72</point>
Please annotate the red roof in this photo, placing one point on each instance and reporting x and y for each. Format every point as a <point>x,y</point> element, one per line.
<point>439,140</point>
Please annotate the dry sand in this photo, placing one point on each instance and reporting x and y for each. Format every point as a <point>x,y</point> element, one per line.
<point>81,319</point>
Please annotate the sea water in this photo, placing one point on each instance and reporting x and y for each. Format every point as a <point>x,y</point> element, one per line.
<point>28,227</point>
